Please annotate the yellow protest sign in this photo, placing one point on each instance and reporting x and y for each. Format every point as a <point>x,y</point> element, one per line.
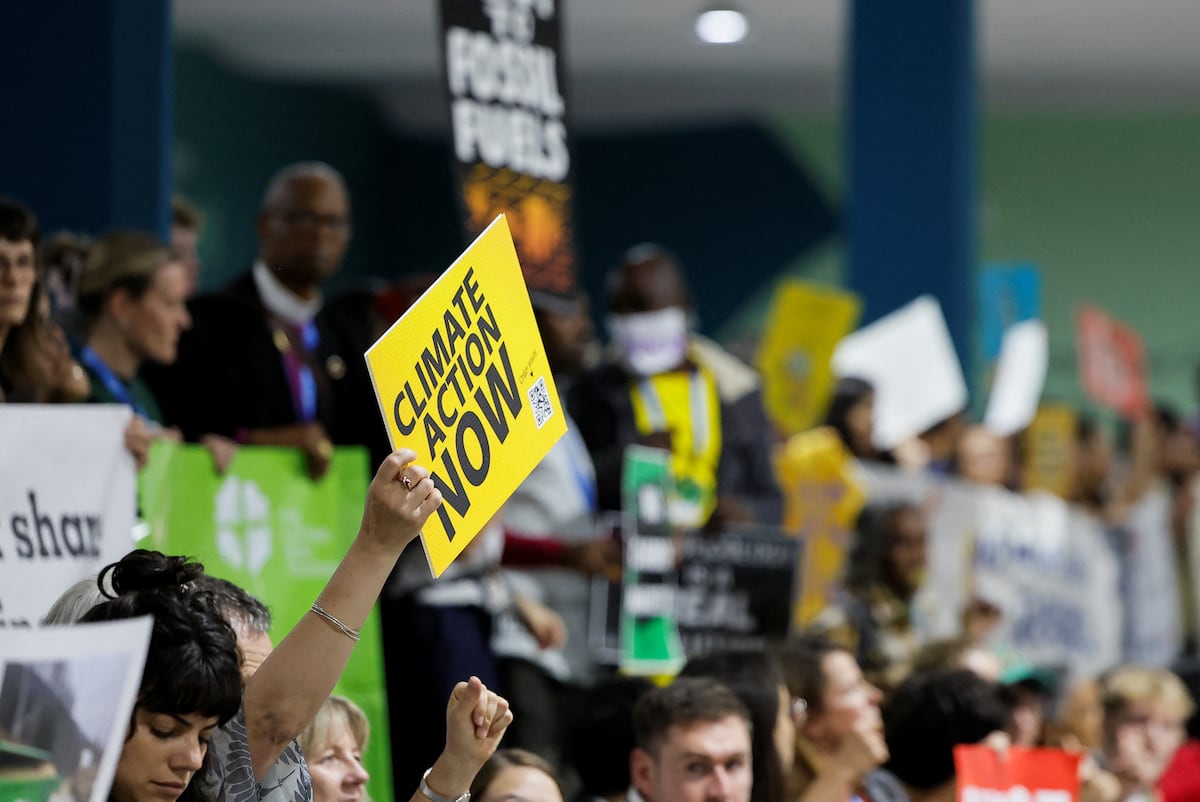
<point>822,499</point>
<point>1048,447</point>
<point>462,379</point>
<point>804,327</point>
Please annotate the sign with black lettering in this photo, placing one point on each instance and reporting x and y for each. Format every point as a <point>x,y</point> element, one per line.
<point>505,81</point>
<point>462,379</point>
<point>68,500</point>
<point>735,589</point>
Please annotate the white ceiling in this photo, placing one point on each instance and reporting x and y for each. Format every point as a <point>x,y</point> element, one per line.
<point>636,63</point>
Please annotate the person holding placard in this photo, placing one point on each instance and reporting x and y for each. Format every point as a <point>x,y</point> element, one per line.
<point>665,387</point>
<point>872,613</point>
<point>289,687</point>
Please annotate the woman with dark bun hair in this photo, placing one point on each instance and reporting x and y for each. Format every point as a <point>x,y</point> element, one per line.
<point>288,689</point>
<point>191,684</point>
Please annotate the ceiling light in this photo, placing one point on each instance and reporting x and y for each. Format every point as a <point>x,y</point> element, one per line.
<point>721,26</point>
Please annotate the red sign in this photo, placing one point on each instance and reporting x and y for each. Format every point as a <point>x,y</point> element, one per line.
<point>1111,362</point>
<point>1020,775</point>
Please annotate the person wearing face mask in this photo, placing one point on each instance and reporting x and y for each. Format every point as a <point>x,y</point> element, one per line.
<point>665,387</point>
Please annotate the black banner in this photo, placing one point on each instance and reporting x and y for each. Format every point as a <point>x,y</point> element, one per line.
<point>505,81</point>
<point>735,590</point>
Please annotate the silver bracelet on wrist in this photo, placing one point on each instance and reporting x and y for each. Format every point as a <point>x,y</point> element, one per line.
<point>350,632</point>
<point>434,796</point>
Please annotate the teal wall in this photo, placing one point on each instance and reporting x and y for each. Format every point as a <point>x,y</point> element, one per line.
<point>232,132</point>
<point>1107,206</point>
<point>1105,203</point>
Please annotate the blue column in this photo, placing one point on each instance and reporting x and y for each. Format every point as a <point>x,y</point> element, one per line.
<point>87,134</point>
<point>911,122</point>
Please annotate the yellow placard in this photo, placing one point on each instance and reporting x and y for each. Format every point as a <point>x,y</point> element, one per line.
<point>1048,447</point>
<point>462,379</point>
<point>805,325</point>
<point>822,500</point>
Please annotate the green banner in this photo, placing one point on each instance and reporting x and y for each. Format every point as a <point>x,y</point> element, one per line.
<point>267,527</point>
<point>650,643</point>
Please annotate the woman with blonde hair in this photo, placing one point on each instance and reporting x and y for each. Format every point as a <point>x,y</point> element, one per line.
<point>133,295</point>
<point>333,746</point>
<point>133,298</point>
<point>1144,713</point>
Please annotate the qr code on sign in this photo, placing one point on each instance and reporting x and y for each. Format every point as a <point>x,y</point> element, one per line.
<point>539,399</point>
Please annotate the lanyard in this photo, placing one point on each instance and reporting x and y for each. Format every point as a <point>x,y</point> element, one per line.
<point>698,398</point>
<point>300,375</point>
<point>578,456</point>
<point>111,381</point>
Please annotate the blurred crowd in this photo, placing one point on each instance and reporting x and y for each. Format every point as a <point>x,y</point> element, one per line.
<point>857,704</point>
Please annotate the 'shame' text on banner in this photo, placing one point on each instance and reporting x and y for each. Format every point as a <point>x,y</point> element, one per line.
<point>67,501</point>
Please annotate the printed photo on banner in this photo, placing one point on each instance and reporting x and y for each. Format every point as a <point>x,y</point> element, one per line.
<point>505,84</point>
<point>66,695</point>
<point>55,532</point>
<point>462,379</point>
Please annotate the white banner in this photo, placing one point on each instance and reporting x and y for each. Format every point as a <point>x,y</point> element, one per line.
<point>1154,629</point>
<point>65,699</point>
<point>1050,569</point>
<point>1053,575</point>
<point>68,500</point>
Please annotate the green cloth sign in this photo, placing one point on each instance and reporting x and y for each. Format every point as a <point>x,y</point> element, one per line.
<point>270,529</point>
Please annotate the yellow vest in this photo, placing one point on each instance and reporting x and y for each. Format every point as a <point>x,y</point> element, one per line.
<point>685,404</point>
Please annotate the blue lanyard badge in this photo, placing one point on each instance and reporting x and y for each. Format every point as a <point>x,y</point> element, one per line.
<point>111,381</point>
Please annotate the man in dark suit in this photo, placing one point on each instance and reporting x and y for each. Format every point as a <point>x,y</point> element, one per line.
<point>265,363</point>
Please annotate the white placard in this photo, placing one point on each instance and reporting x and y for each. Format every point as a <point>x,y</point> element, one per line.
<point>1020,377</point>
<point>66,694</point>
<point>68,500</point>
<point>909,358</point>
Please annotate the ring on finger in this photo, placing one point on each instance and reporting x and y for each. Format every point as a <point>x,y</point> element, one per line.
<point>404,480</point>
